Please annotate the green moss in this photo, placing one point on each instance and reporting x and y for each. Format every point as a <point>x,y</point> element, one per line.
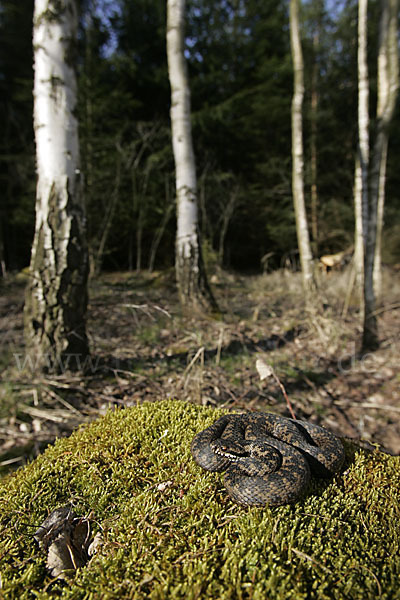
<point>187,539</point>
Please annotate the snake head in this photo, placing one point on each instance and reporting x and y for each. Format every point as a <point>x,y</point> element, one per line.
<point>230,449</point>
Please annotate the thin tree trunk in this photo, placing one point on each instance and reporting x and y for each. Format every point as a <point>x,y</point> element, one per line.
<point>303,238</point>
<point>226,217</point>
<point>206,232</point>
<point>388,74</point>
<point>363,113</point>
<point>358,231</point>
<point>87,141</point>
<point>370,333</point>
<point>313,141</point>
<point>3,268</point>
<point>139,237</point>
<point>192,282</point>
<point>377,275</point>
<point>141,206</point>
<point>130,251</point>
<point>388,84</point>
<point>56,297</point>
<point>297,150</point>
<point>107,221</point>
<point>161,229</point>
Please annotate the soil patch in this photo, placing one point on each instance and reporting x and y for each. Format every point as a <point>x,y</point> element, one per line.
<point>144,348</point>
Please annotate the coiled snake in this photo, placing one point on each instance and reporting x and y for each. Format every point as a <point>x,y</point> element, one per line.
<point>267,459</point>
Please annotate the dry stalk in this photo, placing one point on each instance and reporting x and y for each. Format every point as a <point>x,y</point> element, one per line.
<point>264,370</point>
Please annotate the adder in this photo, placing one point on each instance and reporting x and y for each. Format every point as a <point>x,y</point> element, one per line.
<point>267,459</point>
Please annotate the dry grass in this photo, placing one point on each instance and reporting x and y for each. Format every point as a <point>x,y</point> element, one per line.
<point>143,348</point>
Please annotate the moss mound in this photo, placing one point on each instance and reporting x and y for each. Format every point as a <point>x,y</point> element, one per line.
<point>170,531</point>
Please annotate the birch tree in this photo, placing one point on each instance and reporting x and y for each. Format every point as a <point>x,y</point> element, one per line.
<point>190,273</point>
<point>313,144</point>
<point>373,198</point>
<point>388,85</point>
<point>303,237</point>
<point>362,157</point>
<point>56,296</point>
<point>317,16</point>
<point>358,266</point>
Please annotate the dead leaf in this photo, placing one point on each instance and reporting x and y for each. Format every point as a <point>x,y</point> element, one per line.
<point>53,525</point>
<point>263,369</point>
<point>65,538</point>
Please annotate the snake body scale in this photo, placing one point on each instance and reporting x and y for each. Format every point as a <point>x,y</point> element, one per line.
<point>267,459</point>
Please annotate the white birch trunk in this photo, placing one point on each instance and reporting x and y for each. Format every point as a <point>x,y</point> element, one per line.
<point>370,334</point>
<point>388,74</point>
<point>377,272</point>
<point>191,278</point>
<point>388,84</point>
<point>297,150</point>
<point>358,231</point>
<point>362,159</point>
<point>56,297</point>
<point>363,112</point>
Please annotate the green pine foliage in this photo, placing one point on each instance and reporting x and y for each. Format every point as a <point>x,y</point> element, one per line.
<point>170,531</point>
<point>17,160</point>
<point>240,74</point>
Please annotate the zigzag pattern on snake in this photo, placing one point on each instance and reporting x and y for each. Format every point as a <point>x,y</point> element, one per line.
<point>267,459</point>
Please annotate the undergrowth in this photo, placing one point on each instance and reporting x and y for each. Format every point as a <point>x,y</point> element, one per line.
<point>170,531</point>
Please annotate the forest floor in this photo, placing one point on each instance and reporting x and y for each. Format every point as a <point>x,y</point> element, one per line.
<point>145,349</point>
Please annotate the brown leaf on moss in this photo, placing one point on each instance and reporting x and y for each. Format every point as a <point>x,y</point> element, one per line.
<point>66,539</point>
